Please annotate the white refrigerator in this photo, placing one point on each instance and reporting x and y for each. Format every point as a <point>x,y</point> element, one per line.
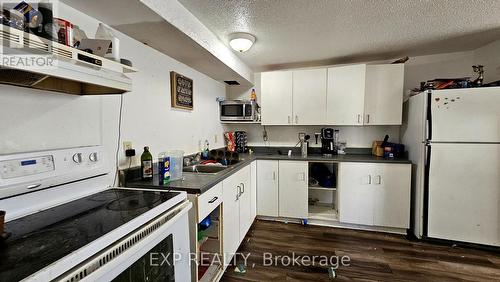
<point>453,140</point>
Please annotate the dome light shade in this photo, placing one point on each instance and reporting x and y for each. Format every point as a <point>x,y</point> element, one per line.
<point>241,42</point>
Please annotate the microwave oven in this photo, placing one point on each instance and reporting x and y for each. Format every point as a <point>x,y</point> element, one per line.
<point>238,110</point>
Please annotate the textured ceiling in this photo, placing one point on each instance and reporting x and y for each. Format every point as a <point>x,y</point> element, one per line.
<point>295,33</point>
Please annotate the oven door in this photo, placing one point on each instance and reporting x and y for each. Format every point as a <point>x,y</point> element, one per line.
<point>157,251</point>
<point>232,111</point>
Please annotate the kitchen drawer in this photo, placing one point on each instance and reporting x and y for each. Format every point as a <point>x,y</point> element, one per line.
<point>209,200</point>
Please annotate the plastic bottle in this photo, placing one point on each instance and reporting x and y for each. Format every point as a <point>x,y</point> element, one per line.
<point>163,168</point>
<point>105,32</point>
<point>253,96</point>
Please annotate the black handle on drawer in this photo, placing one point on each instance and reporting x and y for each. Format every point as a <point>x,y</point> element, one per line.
<point>213,200</point>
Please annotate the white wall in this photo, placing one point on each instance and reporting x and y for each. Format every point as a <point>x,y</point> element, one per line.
<point>356,137</point>
<point>32,119</point>
<point>448,65</point>
<point>489,57</point>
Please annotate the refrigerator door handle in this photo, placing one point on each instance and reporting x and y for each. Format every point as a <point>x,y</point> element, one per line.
<point>426,152</point>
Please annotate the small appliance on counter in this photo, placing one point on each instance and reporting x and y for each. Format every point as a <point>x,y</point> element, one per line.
<point>238,110</point>
<point>329,141</point>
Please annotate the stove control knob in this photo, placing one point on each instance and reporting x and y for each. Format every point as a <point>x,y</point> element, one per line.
<point>77,158</point>
<point>93,157</point>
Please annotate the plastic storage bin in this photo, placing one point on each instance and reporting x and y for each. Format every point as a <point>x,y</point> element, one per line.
<point>176,164</point>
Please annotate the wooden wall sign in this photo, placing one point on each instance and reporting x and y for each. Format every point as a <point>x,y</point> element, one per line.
<point>181,91</point>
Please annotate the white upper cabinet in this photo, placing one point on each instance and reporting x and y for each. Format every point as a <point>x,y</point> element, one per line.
<point>384,94</point>
<point>348,95</point>
<point>345,95</point>
<point>276,98</point>
<point>309,97</point>
<point>365,95</point>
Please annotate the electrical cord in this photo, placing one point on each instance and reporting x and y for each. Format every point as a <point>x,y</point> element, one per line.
<point>265,136</point>
<point>118,141</point>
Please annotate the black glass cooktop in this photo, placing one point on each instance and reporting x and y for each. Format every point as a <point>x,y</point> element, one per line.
<point>40,239</point>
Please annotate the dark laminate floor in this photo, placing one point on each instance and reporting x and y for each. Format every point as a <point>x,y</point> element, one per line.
<point>374,256</point>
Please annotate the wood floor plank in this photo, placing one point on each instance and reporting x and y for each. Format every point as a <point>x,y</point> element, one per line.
<point>373,256</point>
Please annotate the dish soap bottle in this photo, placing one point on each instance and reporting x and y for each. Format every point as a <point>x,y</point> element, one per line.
<point>206,150</point>
<point>147,164</point>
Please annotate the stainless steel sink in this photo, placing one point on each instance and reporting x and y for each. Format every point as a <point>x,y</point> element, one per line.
<point>213,169</point>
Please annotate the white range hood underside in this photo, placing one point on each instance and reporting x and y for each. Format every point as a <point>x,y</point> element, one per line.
<point>70,71</point>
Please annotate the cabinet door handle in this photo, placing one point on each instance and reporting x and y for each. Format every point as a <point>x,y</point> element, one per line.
<point>242,188</point>
<point>379,179</point>
<point>33,186</point>
<point>238,194</point>
<point>359,118</point>
<point>369,179</point>
<point>303,176</point>
<point>296,119</point>
<point>274,175</point>
<point>368,118</point>
<point>288,119</point>
<point>213,200</point>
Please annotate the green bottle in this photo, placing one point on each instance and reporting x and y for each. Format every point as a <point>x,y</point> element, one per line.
<point>147,164</point>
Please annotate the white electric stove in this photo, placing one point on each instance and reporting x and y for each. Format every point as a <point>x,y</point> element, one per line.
<point>64,222</point>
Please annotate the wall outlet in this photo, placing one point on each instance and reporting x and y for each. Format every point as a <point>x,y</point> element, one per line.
<point>127,145</point>
<point>215,138</point>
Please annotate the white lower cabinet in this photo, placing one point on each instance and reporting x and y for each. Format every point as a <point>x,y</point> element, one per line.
<point>267,188</point>
<point>236,210</point>
<point>253,188</point>
<point>375,194</point>
<point>282,188</point>
<point>293,185</point>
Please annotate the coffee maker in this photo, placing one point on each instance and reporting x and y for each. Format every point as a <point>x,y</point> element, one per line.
<point>328,142</point>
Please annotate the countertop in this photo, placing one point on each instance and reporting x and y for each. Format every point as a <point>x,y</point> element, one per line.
<point>197,183</point>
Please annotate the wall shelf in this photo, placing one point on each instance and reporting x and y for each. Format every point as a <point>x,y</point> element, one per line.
<point>319,188</point>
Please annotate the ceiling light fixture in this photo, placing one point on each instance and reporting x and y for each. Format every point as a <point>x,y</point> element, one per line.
<point>241,41</point>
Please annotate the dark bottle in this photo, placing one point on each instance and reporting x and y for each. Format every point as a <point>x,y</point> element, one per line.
<point>147,164</point>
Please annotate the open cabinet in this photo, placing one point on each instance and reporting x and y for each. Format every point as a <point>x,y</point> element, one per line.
<point>209,247</point>
<point>322,192</point>
<point>205,228</point>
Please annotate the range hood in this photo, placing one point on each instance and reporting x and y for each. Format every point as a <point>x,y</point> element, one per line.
<point>70,70</point>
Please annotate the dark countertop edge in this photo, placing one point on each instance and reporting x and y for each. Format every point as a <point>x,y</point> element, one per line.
<point>249,158</point>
